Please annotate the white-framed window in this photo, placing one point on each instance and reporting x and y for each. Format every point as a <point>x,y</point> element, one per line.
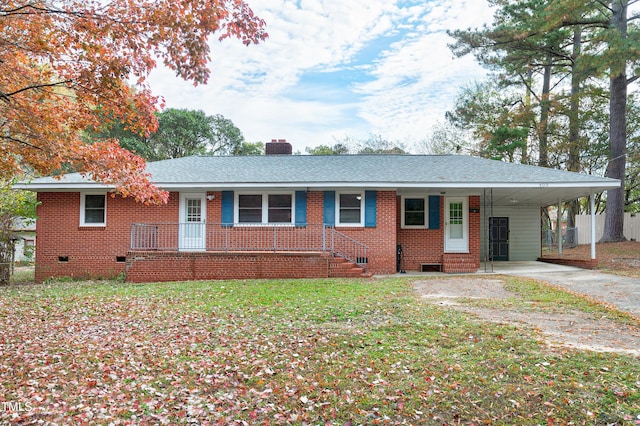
<point>350,209</point>
<point>259,208</point>
<point>415,211</point>
<point>93,209</point>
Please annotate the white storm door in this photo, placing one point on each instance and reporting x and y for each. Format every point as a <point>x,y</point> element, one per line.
<point>456,222</point>
<point>192,228</point>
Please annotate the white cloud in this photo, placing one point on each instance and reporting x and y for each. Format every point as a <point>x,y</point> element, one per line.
<point>418,79</point>
<point>409,86</point>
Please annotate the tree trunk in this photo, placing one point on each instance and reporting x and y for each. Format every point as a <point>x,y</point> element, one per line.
<point>543,134</point>
<point>613,226</point>
<point>525,148</point>
<point>6,256</point>
<point>574,123</point>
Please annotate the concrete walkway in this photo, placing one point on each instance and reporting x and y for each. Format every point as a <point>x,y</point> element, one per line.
<point>622,292</point>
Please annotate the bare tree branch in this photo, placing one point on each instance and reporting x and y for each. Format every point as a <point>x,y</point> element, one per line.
<point>20,141</point>
<point>6,96</point>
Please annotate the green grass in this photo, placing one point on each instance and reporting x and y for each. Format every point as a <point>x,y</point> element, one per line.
<point>293,352</point>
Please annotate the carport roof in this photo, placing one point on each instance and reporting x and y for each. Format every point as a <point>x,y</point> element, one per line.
<point>452,174</point>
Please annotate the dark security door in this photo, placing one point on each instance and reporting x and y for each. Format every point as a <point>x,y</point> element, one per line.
<point>499,238</point>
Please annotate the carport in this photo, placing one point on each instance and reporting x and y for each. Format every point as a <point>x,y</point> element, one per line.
<point>522,203</point>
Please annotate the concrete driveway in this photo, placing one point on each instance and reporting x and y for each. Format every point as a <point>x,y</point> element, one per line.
<point>622,292</point>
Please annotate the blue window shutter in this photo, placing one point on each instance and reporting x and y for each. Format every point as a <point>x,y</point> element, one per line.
<point>301,208</point>
<point>227,208</point>
<point>434,212</point>
<point>330,208</point>
<point>370,202</point>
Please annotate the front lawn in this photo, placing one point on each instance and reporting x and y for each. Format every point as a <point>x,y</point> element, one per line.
<point>298,352</point>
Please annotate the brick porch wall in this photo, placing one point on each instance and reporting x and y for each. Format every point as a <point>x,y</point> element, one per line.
<point>184,266</point>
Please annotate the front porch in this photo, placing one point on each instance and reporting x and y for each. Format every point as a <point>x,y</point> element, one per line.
<point>194,251</point>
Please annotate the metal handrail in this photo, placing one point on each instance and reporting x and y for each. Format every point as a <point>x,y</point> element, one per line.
<point>348,248</point>
<point>221,237</point>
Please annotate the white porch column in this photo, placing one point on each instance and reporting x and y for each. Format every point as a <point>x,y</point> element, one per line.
<point>592,208</point>
<point>559,226</point>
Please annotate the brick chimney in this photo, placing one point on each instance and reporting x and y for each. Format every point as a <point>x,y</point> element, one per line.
<point>278,147</point>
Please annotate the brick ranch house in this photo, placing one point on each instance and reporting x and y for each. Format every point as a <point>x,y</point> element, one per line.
<point>301,216</point>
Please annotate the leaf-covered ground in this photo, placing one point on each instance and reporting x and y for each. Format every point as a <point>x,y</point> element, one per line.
<point>335,352</point>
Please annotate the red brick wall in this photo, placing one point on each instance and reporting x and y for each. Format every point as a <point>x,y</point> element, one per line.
<point>91,251</point>
<point>381,240</point>
<point>427,245</point>
<point>420,245</point>
<point>182,266</point>
<point>214,207</point>
<point>578,263</point>
<point>315,207</point>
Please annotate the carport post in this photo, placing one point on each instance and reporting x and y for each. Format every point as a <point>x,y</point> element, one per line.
<point>593,225</point>
<point>559,226</point>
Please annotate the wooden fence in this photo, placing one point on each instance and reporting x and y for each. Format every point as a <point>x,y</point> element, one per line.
<point>583,223</point>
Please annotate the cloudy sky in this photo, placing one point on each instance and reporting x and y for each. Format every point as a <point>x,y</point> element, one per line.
<point>332,69</point>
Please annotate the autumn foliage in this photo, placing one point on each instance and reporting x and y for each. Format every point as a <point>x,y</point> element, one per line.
<point>66,65</point>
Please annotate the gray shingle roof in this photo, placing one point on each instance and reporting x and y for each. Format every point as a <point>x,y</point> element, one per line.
<point>445,174</point>
<point>383,170</point>
<point>396,169</point>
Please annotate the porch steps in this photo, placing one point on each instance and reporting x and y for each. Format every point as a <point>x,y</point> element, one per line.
<point>342,268</point>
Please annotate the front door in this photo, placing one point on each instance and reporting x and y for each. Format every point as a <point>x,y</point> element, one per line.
<point>456,233</point>
<point>192,222</point>
<point>499,238</point>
